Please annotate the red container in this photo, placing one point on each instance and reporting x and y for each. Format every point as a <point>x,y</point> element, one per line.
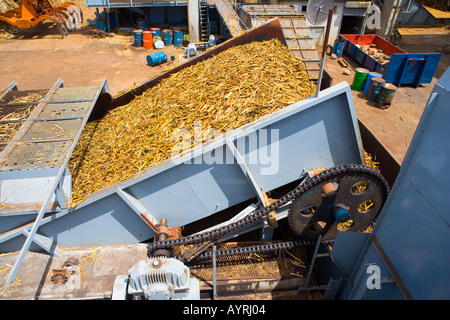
<point>368,39</point>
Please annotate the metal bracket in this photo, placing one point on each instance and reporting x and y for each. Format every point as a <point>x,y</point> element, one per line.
<point>139,208</point>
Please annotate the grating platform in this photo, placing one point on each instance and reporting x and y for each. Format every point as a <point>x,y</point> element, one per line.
<point>39,127</point>
<point>296,30</point>
<point>15,108</point>
<point>38,132</point>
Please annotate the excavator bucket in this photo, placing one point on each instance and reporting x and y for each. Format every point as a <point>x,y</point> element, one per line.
<point>67,16</point>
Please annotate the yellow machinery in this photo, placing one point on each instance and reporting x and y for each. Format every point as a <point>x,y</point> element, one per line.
<point>32,12</point>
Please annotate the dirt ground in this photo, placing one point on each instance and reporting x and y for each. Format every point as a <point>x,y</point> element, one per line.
<point>36,58</point>
<point>394,127</point>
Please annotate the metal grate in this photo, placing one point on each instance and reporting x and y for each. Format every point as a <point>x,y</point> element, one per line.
<point>37,155</point>
<point>40,135</point>
<point>13,112</point>
<point>24,96</point>
<point>8,131</point>
<point>262,265</point>
<point>64,110</point>
<point>74,94</point>
<point>52,129</point>
<point>15,108</point>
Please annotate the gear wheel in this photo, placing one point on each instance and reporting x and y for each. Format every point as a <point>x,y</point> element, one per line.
<point>346,198</point>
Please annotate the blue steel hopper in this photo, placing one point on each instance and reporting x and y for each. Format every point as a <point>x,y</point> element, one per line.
<point>264,155</point>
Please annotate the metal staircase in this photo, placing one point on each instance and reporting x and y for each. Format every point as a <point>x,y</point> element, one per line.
<point>204,21</point>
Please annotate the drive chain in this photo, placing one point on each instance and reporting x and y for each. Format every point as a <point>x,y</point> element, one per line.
<point>263,213</point>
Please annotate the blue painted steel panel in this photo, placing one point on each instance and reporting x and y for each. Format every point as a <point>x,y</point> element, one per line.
<point>412,68</point>
<point>413,229</point>
<point>326,131</point>
<point>106,221</point>
<point>349,47</point>
<point>347,250</point>
<point>414,13</point>
<point>157,15</point>
<point>359,56</point>
<point>420,205</point>
<point>313,133</point>
<point>363,279</point>
<point>188,192</point>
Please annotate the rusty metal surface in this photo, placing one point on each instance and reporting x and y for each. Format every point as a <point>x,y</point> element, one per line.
<point>92,279</point>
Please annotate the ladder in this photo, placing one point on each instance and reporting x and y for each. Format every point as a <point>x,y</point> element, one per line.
<point>204,21</point>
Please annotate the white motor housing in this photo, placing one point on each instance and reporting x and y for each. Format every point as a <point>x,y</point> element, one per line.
<point>162,278</point>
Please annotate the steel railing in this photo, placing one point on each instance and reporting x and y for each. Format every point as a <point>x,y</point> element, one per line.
<point>230,17</point>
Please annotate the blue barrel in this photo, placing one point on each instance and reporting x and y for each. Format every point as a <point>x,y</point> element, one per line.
<point>138,41</point>
<point>338,47</point>
<point>167,36</point>
<point>177,38</point>
<point>374,88</point>
<point>156,32</point>
<point>386,95</point>
<point>156,58</point>
<point>370,76</point>
<point>142,25</point>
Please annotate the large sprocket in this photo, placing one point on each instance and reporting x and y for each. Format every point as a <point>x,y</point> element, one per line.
<point>351,193</point>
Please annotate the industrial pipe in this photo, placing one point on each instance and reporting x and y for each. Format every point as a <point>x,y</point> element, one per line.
<point>324,49</point>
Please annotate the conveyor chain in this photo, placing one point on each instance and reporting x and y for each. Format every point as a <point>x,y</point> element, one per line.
<point>257,249</point>
<point>263,213</point>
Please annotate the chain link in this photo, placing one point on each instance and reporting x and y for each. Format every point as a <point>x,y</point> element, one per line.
<point>262,213</point>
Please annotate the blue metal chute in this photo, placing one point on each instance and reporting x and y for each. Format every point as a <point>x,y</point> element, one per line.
<point>239,166</point>
<point>407,256</point>
<point>312,133</point>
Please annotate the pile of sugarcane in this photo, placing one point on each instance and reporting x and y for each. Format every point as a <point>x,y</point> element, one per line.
<point>226,91</point>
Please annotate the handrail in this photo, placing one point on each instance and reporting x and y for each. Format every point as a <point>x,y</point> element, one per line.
<point>256,18</point>
<point>226,11</point>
